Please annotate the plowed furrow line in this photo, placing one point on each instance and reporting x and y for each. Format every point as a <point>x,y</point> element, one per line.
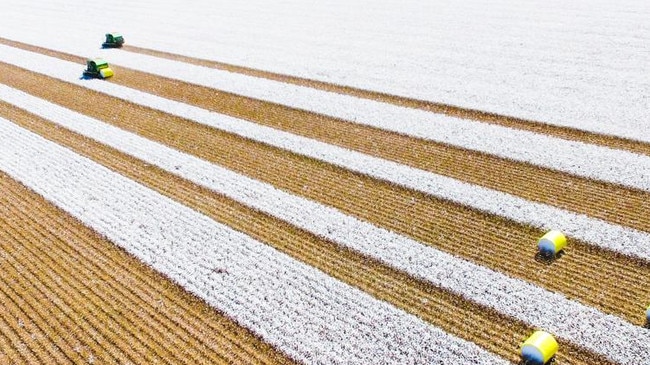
<point>440,108</point>
<point>613,203</point>
<point>15,349</point>
<point>595,277</point>
<point>41,279</point>
<point>122,298</point>
<point>149,298</point>
<point>78,300</point>
<point>60,329</point>
<point>146,295</point>
<point>617,204</point>
<point>122,312</point>
<point>30,349</point>
<point>49,325</point>
<point>15,273</point>
<point>8,352</point>
<point>64,324</point>
<point>450,312</point>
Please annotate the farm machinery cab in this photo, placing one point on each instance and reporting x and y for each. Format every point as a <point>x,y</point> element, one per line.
<point>97,68</point>
<point>113,40</point>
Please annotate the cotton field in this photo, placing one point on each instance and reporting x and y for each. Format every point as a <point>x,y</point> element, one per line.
<point>324,183</point>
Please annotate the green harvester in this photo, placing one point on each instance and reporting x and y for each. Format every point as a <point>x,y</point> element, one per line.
<point>97,68</point>
<point>113,40</point>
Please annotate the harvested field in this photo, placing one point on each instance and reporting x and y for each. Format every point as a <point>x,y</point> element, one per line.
<point>72,296</point>
<point>447,109</point>
<point>408,293</point>
<point>205,211</point>
<point>580,274</point>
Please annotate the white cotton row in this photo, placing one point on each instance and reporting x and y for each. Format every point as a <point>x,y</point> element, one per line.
<point>300,310</point>
<point>583,325</point>
<point>595,231</point>
<point>544,62</point>
<point>595,162</point>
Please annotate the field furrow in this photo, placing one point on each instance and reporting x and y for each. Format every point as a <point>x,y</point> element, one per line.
<point>176,312</point>
<point>541,127</point>
<point>610,202</point>
<point>74,304</point>
<point>127,322</point>
<point>57,331</point>
<point>615,166</point>
<point>608,281</point>
<point>592,230</point>
<point>296,183</point>
<point>302,298</point>
<point>448,311</point>
<point>447,109</point>
<point>148,293</point>
<point>44,255</point>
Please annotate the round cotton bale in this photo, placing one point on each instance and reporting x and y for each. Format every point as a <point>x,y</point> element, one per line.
<point>539,348</point>
<point>551,243</point>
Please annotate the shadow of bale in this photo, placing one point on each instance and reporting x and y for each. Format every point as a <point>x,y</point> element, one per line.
<point>549,362</point>
<point>548,259</point>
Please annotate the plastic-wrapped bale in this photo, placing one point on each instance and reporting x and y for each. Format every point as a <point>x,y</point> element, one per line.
<point>539,348</point>
<point>551,243</point>
<point>647,315</point>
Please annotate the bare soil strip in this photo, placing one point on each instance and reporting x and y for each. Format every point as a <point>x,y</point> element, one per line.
<point>608,281</point>
<point>71,296</point>
<point>616,204</point>
<point>613,203</point>
<point>441,108</point>
<point>454,314</point>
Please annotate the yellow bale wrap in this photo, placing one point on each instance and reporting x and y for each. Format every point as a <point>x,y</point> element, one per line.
<point>539,348</point>
<point>552,242</point>
<point>106,72</point>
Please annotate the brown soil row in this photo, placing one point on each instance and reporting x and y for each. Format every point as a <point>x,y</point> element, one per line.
<point>610,202</point>
<point>605,280</point>
<point>613,203</point>
<point>441,108</point>
<point>70,296</point>
<point>454,314</point>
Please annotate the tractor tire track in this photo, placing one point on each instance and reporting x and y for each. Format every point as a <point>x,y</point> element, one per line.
<point>491,330</point>
<point>610,202</point>
<point>603,279</point>
<point>23,231</point>
<point>540,127</point>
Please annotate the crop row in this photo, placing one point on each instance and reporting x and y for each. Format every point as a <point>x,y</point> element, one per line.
<point>88,302</point>
<point>615,166</point>
<point>582,274</point>
<point>448,311</point>
<point>202,147</point>
<point>349,228</point>
<point>589,134</point>
<point>293,306</point>
<point>612,203</point>
<point>613,237</point>
<point>594,231</point>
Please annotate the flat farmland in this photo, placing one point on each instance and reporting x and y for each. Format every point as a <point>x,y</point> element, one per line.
<point>358,183</point>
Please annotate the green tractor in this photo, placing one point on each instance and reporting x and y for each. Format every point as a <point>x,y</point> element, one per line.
<point>113,40</point>
<point>97,68</point>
